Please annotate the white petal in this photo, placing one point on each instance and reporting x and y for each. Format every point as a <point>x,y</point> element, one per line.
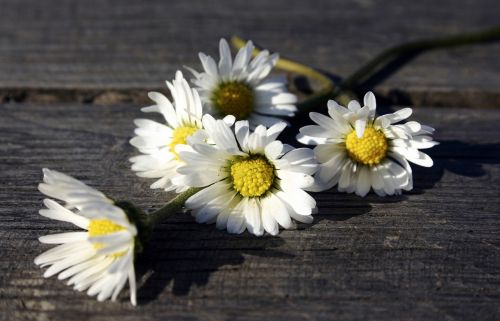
<point>376,178</point>
<point>220,133</point>
<point>274,149</point>
<point>257,140</point>
<point>252,217</point>
<point>399,175</point>
<point>132,285</point>
<point>395,117</point>
<point>69,261</point>
<point>216,206</point>
<point>360,125</point>
<point>275,130</point>
<point>313,135</point>
<point>324,152</point>
<point>297,179</point>
<point>273,207</point>
<point>300,160</point>
<point>64,237</point>
<point>300,201</point>
<point>229,120</point>
<point>370,101</point>
<point>364,184</point>
<point>83,279</point>
<point>61,251</point>
<point>57,212</point>
<point>165,107</point>
<point>353,106</point>
<point>236,220</point>
<point>328,174</point>
<point>119,286</point>
<point>269,223</point>
<point>422,159</point>
<point>225,63</point>
<point>345,180</point>
<point>242,57</point>
<point>78,268</point>
<point>223,217</point>
<point>242,130</point>
<point>207,194</point>
<point>209,65</point>
<point>322,120</point>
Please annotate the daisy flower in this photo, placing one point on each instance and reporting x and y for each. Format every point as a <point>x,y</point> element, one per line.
<point>242,87</point>
<point>252,181</point>
<point>98,259</point>
<point>157,141</point>
<point>359,151</point>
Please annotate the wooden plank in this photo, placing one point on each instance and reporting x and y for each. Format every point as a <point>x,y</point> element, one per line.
<point>104,51</point>
<point>431,254</point>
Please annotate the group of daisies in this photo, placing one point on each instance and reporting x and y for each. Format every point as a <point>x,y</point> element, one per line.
<point>222,136</point>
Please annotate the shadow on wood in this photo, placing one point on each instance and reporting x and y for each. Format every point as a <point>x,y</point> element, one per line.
<point>464,159</point>
<point>190,262</point>
<point>184,261</point>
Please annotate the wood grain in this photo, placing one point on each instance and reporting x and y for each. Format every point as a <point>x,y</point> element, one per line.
<point>431,254</point>
<point>104,51</point>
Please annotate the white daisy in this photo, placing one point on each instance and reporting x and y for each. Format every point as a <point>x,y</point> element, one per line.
<point>252,181</point>
<point>157,141</point>
<point>241,87</point>
<point>358,151</point>
<point>99,259</point>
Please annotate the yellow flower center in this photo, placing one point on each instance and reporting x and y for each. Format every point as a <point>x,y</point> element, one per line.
<point>180,137</point>
<point>252,176</point>
<point>234,98</point>
<point>370,149</point>
<point>99,227</point>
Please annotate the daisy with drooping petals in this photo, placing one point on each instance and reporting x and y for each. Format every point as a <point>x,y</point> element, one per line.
<point>252,181</point>
<point>241,87</point>
<point>99,259</point>
<point>157,141</point>
<point>359,151</point>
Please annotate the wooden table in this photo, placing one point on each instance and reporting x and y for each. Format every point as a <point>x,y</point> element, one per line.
<point>74,75</point>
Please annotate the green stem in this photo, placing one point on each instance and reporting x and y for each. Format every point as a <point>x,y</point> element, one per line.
<point>415,47</point>
<point>379,61</point>
<point>290,66</point>
<point>171,207</point>
<point>344,92</point>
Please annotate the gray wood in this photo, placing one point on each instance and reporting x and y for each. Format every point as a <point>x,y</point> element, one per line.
<point>103,51</point>
<point>431,254</point>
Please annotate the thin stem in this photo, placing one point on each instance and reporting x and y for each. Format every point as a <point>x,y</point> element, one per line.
<point>383,58</point>
<point>415,47</point>
<point>290,66</point>
<point>344,92</point>
<point>171,207</point>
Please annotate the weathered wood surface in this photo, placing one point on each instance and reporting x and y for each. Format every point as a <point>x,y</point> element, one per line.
<point>431,254</point>
<point>110,51</point>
